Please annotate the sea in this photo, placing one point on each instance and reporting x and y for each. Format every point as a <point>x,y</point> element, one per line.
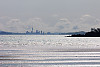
<point>49,51</point>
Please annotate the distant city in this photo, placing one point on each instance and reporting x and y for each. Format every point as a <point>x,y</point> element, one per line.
<point>49,33</point>
<point>37,32</point>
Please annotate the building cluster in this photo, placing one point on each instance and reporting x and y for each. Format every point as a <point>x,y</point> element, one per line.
<point>36,32</point>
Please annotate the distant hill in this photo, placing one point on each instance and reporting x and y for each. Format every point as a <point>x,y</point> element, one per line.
<point>3,32</point>
<point>73,33</point>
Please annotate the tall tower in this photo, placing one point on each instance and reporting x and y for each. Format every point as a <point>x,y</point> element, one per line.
<point>32,30</point>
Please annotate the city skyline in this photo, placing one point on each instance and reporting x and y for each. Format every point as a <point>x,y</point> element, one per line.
<point>35,31</point>
<point>49,15</point>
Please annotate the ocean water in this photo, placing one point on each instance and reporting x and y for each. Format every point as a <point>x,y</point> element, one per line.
<point>49,51</point>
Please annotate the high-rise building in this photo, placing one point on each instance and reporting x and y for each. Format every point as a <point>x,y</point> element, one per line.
<point>36,31</point>
<point>41,32</point>
<point>27,32</point>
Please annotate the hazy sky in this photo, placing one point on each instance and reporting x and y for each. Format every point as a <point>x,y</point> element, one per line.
<point>49,15</point>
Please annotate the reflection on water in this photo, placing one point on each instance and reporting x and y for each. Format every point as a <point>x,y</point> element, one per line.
<point>48,51</point>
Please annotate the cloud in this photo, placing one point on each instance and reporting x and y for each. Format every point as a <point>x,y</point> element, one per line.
<point>36,23</point>
<point>11,24</point>
<point>63,25</point>
<point>75,27</point>
<point>14,25</point>
<point>5,17</point>
<point>65,20</point>
<point>55,16</point>
<point>17,25</point>
<point>84,23</point>
<point>88,19</point>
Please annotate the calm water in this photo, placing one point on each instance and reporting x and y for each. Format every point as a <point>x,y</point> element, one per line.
<point>48,51</point>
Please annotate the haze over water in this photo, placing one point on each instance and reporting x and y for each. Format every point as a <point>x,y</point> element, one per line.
<point>48,51</point>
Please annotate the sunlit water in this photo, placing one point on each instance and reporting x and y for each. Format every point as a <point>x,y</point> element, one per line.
<point>48,51</point>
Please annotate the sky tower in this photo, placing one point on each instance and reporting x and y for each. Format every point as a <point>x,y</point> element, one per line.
<point>32,30</point>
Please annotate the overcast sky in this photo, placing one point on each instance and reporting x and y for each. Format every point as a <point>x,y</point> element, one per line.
<point>49,15</point>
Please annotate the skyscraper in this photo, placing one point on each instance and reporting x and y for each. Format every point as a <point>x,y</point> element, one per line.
<point>41,32</point>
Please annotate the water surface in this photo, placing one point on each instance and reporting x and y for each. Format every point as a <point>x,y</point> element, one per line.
<point>48,51</point>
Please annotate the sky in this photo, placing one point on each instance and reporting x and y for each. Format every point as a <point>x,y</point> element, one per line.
<point>49,15</point>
